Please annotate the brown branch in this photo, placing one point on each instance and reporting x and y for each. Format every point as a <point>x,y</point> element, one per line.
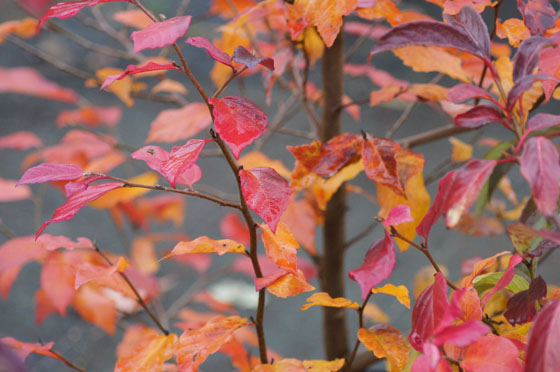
<point>66,361</point>
<point>432,135</point>
<point>233,75</point>
<point>361,325</point>
<point>139,298</point>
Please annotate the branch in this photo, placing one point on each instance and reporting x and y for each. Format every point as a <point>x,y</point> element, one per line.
<point>361,325</point>
<point>432,135</point>
<point>138,297</point>
<point>66,361</point>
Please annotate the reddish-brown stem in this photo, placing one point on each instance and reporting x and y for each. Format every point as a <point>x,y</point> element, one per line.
<point>127,183</point>
<point>233,75</point>
<point>425,251</point>
<point>139,298</point>
<point>253,253</point>
<point>66,361</point>
<point>350,360</point>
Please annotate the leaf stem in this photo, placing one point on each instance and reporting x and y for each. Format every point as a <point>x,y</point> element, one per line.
<point>361,325</point>
<point>66,361</point>
<point>139,298</point>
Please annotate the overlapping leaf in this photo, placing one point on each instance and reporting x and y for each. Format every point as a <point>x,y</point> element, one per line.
<point>281,246</point>
<point>399,292</point>
<point>149,355</point>
<point>133,70</point>
<point>491,353</point>
<point>243,56</point>
<point>213,51</point>
<point>160,34</point>
<point>521,308</point>
<point>386,342</point>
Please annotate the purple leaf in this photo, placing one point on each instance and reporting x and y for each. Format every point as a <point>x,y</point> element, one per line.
<point>522,85</point>
<point>160,34</point>
<point>456,192</point>
<point>527,56</point>
<point>471,23</point>
<point>50,172</point>
<point>132,70</point>
<point>521,307</point>
<point>539,166</point>
<point>540,121</point>
<point>242,55</point>
<point>463,92</point>
<point>543,350</point>
<point>77,201</point>
<point>462,334</point>
<point>216,54</point>
<point>504,280</point>
<point>479,116</point>
<point>538,15</point>
<point>378,265</point>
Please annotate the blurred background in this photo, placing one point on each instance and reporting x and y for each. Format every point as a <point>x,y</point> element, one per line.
<point>290,332</point>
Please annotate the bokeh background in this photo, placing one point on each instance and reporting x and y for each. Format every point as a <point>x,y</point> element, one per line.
<point>289,331</point>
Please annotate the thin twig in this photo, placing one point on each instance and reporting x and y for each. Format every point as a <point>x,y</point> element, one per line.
<point>362,234</point>
<point>66,361</point>
<point>432,135</point>
<point>361,325</point>
<point>233,75</point>
<point>139,298</point>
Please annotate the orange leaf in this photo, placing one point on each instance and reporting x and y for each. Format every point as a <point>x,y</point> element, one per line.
<point>120,88</point>
<point>256,159</point>
<point>196,345</point>
<point>57,278</point>
<point>24,28</point>
<point>284,284</point>
<point>95,308</point>
<point>324,365</point>
<point>206,245</point>
<point>455,6</point>
<point>470,305</point>
<point>385,94</point>
<point>281,247</point>
<point>386,342</point>
<point>324,299</point>
<point>400,292</point>
<point>417,198</point>
<point>514,30</point>
<point>375,314</point>
<point>223,8</point>
<point>26,348</point>
<point>88,272</point>
<point>428,92</point>
<point>326,15</point>
<point>126,194</point>
<point>460,151</point>
<point>300,219</point>
<point>323,190</point>
<point>150,353</point>
<point>429,59</point>
<point>143,255</point>
<point>133,18</point>
<point>480,266</point>
<point>178,124</point>
<point>294,365</point>
<point>169,86</point>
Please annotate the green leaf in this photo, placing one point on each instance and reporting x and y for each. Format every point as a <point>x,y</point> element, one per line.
<point>484,282</point>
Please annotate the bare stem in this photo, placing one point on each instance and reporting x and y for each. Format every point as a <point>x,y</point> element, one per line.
<point>66,361</point>
<point>139,298</point>
<point>361,325</point>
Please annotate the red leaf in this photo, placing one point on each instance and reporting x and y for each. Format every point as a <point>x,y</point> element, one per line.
<point>479,116</point>
<point>160,34</point>
<point>26,348</point>
<point>51,172</point>
<point>491,353</point>
<point>521,307</point>
<point>540,121</point>
<point>378,265</point>
<point>21,140</point>
<point>505,279</point>
<point>462,334</point>
<point>238,121</point>
<point>543,351</point>
<point>181,159</point>
<point>522,85</point>
<point>429,312</point>
<point>25,80</point>
<point>438,34</point>
<point>538,15</point>
<point>456,192</point>
<point>69,9</point>
<point>216,54</point>
<point>242,55</point>
<point>464,92</point>
<point>265,192</point>
<point>233,227</point>
<point>379,156</point>
<point>398,215</point>
<point>133,70</point>
<point>527,56</point>
<point>77,201</point>
<point>539,166</point>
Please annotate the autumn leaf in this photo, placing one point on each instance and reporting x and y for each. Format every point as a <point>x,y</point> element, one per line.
<point>214,52</point>
<point>69,9</point>
<point>172,125</point>
<point>120,88</point>
<point>460,151</point>
<point>377,266</point>
<point>90,303</point>
<point>491,353</point>
<point>26,348</point>
<point>243,56</point>
<point>538,15</point>
<point>92,116</point>
<point>206,245</point>
<point>238,121</point>
<point>265,192</point>
<point>57,279</point>
<point>323,299</point>
<point>386,342</point>
<point>428,59</point>
<point>196,345</point>
<point>133,18</point>
<point>126,194</point>
<point>399,292</point>
<point>133,70</point>
<point>521,307</point>
<point>9,192</point>
<point>281,246</point>
<point>480,267</point>
<point>379,156</point>
<point>542,351</point>
<point>26,80</point>
<point>181,159</point>
<point>88,273</point>
<point>150,354</point>
<point>397,215</point>
<point>160,34</point>
<point>21,140</point>
<point>282,283</point>
<point>479,116</point>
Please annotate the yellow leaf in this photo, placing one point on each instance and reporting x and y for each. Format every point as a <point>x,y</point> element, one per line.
<point>169,86</point>
<point>313,44</point>
<point>375,314</point>
<point>386,342</point>
<point>400,292</point>
<point>323,365</point>
<point>417,198</point>
<point>324,299</point>
<point>429,92</point>
<point>125,194</point>
<point>120,88</point>
<point>206,245</point>
<point>514,30</point>
<point>460,151</point>
<point>289,285</point>
<point>429,59</point>
<point>255,159</point>
<point>323,190</point>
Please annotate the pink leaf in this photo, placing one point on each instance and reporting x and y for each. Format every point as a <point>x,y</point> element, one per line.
<point>182,158</point>
<point>69,9</point>
<point>543,352</point>
<point>132,70</point>
<point>77,201</point>
<point>527,56</point>
<point>9,192</point>
<point>491,353</point>
<point>238,121</point>
<point>216,54</point>
<point>25,80</point>
<point>539,166</point>
<point>378,265</point>
<point>160,34</point>
<point>471,23</point>
<point>242,55</point>
<point>540,121</point>
<point>179,124</point>
<point>397,215</point>
<point>464,92</point>
<point>80,185</point>
<point>505,279</point>
<point>521,307</point>
<point>51,172</point>
<point>21,140</point>
<point>265,192</point>
<point>538,15</point>
<point>429,313</point>
<point>430,360</point>
<point>478,116</point>
<point>462,334</point>
<point>456,192</point>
